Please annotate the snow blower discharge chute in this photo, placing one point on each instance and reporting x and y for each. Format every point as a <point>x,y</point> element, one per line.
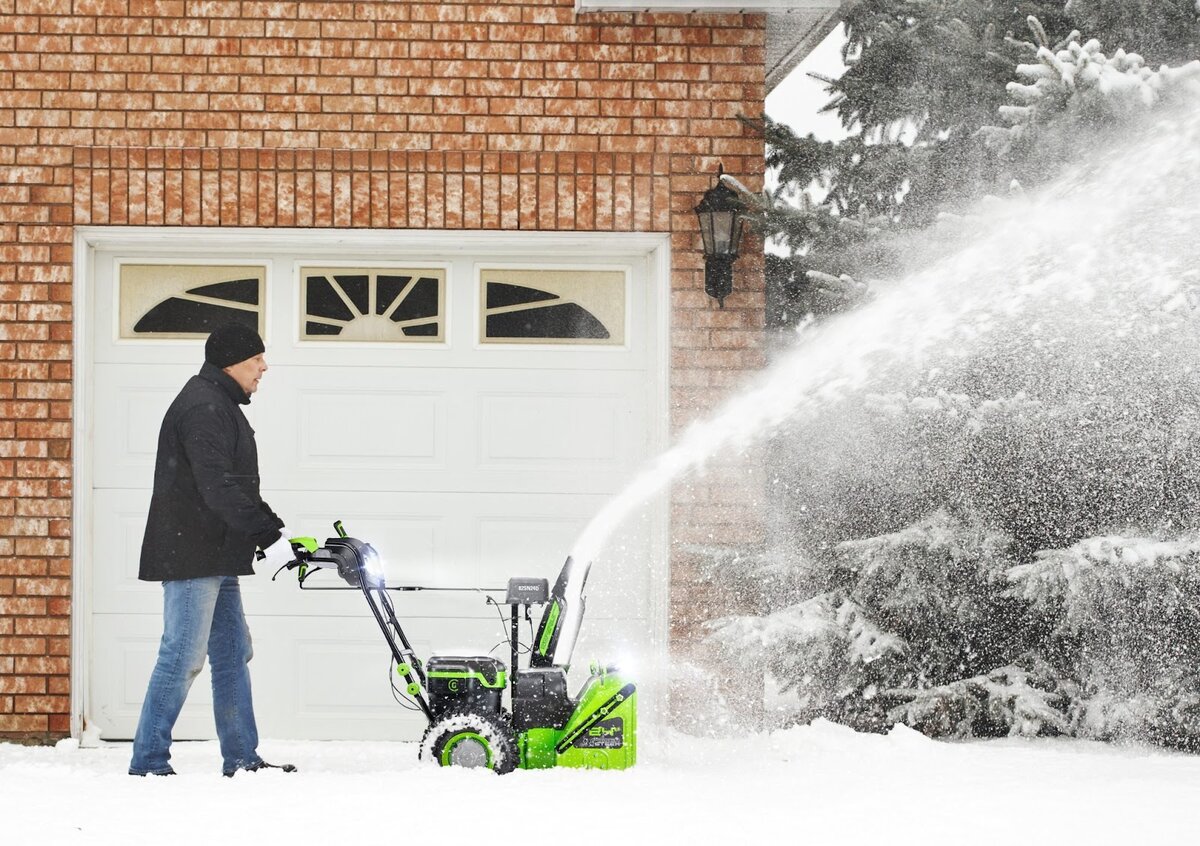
<point>462,696</point>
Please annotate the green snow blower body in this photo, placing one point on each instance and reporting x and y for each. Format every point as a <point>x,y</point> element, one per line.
<point>463,696</point>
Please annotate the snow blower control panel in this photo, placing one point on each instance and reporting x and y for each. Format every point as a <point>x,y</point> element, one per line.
<point>527,591</point>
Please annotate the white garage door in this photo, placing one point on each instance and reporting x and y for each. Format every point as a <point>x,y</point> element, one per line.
<point>466,407</point>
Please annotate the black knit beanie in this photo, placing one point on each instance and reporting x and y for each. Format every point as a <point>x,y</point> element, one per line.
<point>232,343</point>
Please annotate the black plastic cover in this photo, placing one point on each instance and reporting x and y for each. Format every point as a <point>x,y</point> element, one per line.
<point>540,700</point>
<point>476,682</point>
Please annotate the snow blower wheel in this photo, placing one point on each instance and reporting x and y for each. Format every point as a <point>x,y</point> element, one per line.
<point>464,738</point>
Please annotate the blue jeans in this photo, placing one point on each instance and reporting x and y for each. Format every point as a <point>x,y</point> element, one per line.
<point>199,616</point>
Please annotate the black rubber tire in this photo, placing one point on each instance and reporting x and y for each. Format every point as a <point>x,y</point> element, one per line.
<point>474,738</point>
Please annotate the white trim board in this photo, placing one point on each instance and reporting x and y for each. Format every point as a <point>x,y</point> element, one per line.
<point>384,242</point>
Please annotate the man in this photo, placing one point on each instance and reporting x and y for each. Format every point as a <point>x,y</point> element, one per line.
<point>206,519</point>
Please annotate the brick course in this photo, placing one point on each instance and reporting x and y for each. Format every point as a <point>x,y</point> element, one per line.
<point>515,114</point>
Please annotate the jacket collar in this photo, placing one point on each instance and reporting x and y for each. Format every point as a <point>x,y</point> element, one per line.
<point>225,382</point>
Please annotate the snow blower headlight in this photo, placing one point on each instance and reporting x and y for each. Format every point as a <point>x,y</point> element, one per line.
<point>357,563</point>
<point>372,566</point>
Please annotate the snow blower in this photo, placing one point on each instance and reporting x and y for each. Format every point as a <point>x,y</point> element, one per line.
<point>462,696</point>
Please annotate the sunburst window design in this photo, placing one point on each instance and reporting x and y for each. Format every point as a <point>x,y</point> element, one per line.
<point>373,304</point>
<point>188,301</point>
<point>552,306</point>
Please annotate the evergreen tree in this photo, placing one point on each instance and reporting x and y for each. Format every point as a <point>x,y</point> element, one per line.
<point>999,537</point>
<point>924,77</point>
<point>945,555</point>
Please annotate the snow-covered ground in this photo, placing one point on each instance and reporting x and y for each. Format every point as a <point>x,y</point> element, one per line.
<point>814,785</point>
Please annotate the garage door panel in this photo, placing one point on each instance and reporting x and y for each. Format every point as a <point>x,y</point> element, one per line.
<point>126,437</point>
<point>119,525</point>
<point>381,430</point>
<point>545,429</point>
<point>330,677</point>
<point>562,432</point>
<point>533,545</point>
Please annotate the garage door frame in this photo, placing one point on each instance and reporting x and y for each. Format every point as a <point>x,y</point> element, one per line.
<point>398,243</point>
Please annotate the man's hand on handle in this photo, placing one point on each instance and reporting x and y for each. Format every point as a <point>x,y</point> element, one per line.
<point>279,554</point>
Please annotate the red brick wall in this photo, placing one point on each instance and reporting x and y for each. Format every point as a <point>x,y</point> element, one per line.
<point>460,115</point>
<point>372,188</point>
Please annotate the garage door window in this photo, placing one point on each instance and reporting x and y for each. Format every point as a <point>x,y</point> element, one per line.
<point>552,306</point>
<point>373,304</point>
<point>188,301</point>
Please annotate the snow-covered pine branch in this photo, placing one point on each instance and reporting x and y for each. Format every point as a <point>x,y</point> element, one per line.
<point>1008,700</point>
<point>1079,80</point>
<point>827,626</point>
<point>1126,620</point>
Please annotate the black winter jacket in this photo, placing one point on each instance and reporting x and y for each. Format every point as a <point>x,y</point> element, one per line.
<point>206,514</point>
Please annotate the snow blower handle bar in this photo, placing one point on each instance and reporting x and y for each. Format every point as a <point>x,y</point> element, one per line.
<point>356,569</point>
<point>357,563</point>
<point>305,553</point>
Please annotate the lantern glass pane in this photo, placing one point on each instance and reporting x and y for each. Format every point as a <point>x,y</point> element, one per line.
<point>722,232</point>
<point>706,230</point>
<point>738,226</point>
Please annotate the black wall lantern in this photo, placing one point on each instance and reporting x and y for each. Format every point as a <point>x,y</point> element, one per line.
<point>721,228</point>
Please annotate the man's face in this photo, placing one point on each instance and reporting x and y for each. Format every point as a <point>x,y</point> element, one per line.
<point>247,373</point>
